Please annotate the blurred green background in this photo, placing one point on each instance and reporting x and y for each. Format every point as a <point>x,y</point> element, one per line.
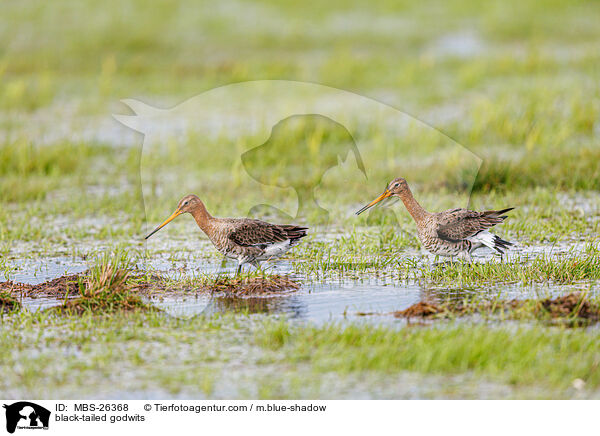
<point>418,54</point>
<point>515,81</point>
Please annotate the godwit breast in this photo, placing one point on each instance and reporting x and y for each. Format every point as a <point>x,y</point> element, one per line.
<point>246,240</point>
<point>454,232</point>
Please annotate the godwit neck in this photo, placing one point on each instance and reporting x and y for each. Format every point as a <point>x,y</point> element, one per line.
<point>412,205</point>
<point>203,218</point>
<point>399,188</point>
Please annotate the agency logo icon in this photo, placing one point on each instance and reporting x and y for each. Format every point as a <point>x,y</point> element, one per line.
<point>26,415</point>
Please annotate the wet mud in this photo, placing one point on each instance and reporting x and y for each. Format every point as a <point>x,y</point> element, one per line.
<point>252,286</point>
<point>573,308</point>
<point>420,310</point>
<point>139,284</point>
<point>59,287</point>
<point>573,305</point>
<point>8,303</point>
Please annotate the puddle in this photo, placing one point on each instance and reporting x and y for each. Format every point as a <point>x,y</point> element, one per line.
<point>36,271</point>
<point>320,303</point>
<point>181,307</point>
<point>41,303</point>
<point>317,303</point>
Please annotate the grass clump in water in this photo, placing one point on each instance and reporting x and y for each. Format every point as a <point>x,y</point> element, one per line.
<point>106,288</point>
<point>572,310</point>
<point>8,303</point>
<point>253,285</point>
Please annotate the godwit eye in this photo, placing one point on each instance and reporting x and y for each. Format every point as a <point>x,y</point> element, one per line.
<point>185,203</point>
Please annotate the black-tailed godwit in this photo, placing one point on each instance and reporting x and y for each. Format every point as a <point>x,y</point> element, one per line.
<point>454,232</point>
<point>244,239</point>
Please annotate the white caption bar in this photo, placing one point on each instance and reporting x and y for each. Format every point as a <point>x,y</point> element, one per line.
<point>91,417</point>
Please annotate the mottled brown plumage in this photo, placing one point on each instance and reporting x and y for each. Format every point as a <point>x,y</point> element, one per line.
<point>454,232</point>
<point>244,239</point>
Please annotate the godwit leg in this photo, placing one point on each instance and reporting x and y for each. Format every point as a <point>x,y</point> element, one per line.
<point>224,262</point>
<point>223,268</point>
<point>443,262</point>
<point>465,256</point>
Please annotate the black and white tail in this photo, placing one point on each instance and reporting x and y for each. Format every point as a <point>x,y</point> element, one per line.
<point>492,241</point>
<point>294,233</point>
<point>500,245</point>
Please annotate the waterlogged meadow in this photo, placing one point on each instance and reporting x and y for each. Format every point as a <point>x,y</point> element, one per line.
<point>499,107</point>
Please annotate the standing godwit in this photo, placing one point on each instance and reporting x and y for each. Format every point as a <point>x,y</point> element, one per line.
<point>244,239</point>
<point>452,232</point>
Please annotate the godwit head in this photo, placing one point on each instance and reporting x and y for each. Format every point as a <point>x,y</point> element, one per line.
<point>188,204</point>
<point>396,187</point>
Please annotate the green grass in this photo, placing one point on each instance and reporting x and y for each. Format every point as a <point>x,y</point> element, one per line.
<point>105,288</point>
<point>200,357</point>
<point>393,254</point>
<point>575,266</point>
<point>519,355</point>
<point>560,168</point>
<point>512,81</point>
<point>530,115</point>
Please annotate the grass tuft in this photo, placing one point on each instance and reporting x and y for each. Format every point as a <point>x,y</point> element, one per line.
<point>106,288</point>
<point>8,303</point>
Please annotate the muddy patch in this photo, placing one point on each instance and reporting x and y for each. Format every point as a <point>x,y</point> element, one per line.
<point>59,287</point>
<point>125,302</point>
<point>252,286</point>
<point>420,310</point>
<point>74,284</point>
<point>573,305</point>
<point>571,309</point>
<point>8,302</point>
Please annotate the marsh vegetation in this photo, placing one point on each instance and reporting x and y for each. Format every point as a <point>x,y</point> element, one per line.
<point>511,83</point>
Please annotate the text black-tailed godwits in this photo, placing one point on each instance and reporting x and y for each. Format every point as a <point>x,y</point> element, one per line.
<point>454,232</point>
<point>244,239</point>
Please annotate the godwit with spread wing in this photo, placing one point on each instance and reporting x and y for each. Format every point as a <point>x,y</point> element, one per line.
<point>244,239</point>
<point>454,232</point>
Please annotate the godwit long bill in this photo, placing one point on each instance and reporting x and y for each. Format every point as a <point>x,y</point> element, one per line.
<point>244,239</point>
<point>454,232</point>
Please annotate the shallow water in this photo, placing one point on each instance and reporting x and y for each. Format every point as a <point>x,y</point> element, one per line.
<point>317,301</point>
<point>35,271</point>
